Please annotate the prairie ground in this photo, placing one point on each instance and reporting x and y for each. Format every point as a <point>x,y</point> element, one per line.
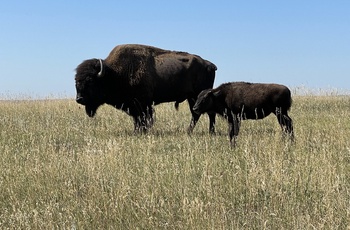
<point>63,170</point>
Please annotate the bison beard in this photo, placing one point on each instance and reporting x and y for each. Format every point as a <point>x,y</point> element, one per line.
<point>90,110</point>
<point>133,78</point>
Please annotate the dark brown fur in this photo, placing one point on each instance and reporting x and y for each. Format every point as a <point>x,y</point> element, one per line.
<point>135,77</point>
<point>238,101</point>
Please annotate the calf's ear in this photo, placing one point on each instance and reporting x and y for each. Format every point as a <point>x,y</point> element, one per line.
<point>217,93</point>
<point>209,93</point>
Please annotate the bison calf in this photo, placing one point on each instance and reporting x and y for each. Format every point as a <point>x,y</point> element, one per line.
<point>238,101</point>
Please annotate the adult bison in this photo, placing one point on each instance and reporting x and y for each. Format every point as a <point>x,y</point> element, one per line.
<point>135,77</point>
<point>238,101</point>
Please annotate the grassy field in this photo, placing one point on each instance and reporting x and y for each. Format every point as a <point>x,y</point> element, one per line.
<point>63,170</point>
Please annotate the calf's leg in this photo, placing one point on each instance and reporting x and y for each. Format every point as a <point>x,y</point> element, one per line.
<point>285,122</point>
<point>211,123</point>
<point>195,116</point>
<point>233,122</point>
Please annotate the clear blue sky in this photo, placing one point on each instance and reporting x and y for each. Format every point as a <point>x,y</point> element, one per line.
<point>296,43</point>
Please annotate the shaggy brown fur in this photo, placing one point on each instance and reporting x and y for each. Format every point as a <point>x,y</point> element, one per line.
<point>238,101</point>
<point>134,77</point>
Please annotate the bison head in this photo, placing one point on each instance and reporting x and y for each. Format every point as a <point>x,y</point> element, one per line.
<point>89,85</point>
<point>205,102</point>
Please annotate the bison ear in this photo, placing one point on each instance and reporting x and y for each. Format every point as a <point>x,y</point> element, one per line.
<point>101,73</point>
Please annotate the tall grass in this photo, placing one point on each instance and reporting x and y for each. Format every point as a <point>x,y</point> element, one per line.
<point>61,169</point>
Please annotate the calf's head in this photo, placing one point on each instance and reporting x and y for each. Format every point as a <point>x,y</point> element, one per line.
<point>205,102</point>
<point>89,85</point>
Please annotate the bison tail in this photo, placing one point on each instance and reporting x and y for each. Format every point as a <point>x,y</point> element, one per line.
<point>177,106</point>
<point>289,103</point>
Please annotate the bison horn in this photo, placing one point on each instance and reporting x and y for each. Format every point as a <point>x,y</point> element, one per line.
<point>100,74</point>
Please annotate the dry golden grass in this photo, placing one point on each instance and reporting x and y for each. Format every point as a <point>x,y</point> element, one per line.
<point>63,170</point>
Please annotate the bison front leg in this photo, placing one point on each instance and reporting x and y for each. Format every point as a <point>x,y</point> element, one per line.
<point>142,123</point>
<point>149,116</point>
<point>143,117</point>
<point>139,125</point>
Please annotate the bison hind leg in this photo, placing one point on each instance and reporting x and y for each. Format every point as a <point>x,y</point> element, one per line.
<point>177,105</point>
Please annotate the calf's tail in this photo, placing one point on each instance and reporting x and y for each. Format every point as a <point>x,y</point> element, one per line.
<point>290,102</point>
